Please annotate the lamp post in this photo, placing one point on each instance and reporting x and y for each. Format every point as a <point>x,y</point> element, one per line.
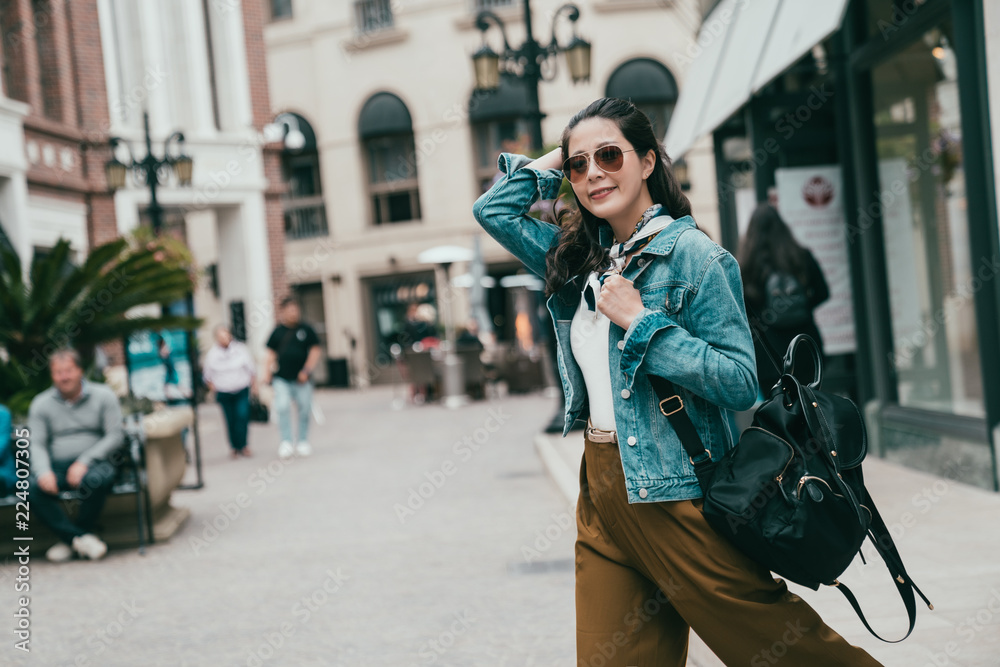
<point>148,169</point>
<point>526,61</point>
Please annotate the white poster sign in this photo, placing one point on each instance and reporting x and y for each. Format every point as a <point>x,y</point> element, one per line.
<point>810,199</point>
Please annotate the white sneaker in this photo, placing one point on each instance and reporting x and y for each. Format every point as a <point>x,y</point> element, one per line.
<point>90,546</point>
<point>304,448</point>
<point>59,553</point>
<point>285,450</point>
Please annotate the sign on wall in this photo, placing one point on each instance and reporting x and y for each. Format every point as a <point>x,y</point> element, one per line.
<point>810,199</point>
<point>159,366</point>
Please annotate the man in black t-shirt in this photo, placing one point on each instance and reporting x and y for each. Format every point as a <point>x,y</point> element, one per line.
<point>293,350</point>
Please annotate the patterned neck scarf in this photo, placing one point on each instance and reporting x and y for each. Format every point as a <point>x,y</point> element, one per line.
<point>640,238</point>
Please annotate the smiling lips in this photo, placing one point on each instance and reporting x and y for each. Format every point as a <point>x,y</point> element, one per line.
<point>601,193</point>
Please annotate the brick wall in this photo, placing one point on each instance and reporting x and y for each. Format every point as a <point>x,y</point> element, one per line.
<point>52,51</point>
<point>255,14</point>
<point>54,62</point>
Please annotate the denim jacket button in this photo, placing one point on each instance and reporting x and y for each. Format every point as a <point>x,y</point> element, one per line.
<point>626,393</point>
<point>621,345</point>
<point>631,441</point>
<point>643,493</point>
<point>641,262</point>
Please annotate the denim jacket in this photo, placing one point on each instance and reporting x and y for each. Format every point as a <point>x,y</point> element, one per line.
<point>692,331</point>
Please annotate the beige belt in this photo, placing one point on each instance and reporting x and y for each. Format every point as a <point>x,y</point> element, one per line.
<point>599,436</point>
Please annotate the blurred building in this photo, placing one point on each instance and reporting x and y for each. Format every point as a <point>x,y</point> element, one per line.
<point>391,145</point>
<point>868,123</point>
<point>53,128</point>
<point>77,73</point>
<point>197,66</point>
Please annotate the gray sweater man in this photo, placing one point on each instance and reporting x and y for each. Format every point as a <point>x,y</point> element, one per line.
<point>73,429</point>
<point>82,431</point>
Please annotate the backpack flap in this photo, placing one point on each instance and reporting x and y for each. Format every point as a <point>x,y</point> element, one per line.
<point>844,427</point>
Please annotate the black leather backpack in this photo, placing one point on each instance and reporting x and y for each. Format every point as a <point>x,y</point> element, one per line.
<point>791,494</point>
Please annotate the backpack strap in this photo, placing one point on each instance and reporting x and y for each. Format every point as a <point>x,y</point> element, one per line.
<point>882,539</point>
<point>672,407</point>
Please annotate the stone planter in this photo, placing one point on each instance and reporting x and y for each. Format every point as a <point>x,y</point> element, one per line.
<point>165,465</point>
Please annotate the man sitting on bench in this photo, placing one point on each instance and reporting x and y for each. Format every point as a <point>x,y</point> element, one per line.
<point>74,428</point>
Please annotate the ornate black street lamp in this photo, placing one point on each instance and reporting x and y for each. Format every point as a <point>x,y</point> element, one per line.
<point>526,62</point>
<point>150,169</point>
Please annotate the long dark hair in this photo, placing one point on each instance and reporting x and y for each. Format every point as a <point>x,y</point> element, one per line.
<point>578,249</point>
<point>769,247</point>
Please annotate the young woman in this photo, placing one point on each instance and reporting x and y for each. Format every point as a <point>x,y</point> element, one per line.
<point>783,286</point>
<point>634,289</point>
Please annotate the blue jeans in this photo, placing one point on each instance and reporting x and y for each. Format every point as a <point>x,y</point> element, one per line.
<point>285,392</point>
<point>236,408</point>
<point>93,491</point>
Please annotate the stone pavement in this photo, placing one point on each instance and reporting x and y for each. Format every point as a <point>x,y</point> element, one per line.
<point>949,537</point>
<point>424,536</point>
<point>411,537</point>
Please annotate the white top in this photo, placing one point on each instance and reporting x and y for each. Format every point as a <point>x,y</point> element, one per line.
<point>230,369</point>
<point>589,334</point>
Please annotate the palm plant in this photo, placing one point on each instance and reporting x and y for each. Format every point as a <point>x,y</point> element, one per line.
<point>81,305</point>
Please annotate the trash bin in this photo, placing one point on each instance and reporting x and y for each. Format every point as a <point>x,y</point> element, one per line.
<point>337,375</point>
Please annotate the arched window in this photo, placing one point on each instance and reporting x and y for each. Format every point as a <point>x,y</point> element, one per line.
<point>650,86</point>
<point>305,213</point>
<point>499,125</point>
<point>386,133</point>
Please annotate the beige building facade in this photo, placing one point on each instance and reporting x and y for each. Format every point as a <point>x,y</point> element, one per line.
<point>388,145</point>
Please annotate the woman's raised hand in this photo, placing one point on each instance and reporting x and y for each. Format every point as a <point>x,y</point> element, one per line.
<point>551,160</point>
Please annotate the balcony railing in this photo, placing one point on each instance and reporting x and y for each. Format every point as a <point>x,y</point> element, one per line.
<point>373,15</point>
<point>478,5</point>
<point>305,218</point>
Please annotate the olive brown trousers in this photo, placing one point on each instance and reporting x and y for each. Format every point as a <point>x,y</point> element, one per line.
<point>648,573</point>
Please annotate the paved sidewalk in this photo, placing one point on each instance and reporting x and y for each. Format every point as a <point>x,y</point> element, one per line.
<point>422,536</point>
<point>949,537</point>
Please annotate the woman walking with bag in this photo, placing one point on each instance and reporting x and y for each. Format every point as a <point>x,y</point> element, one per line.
<point>634,288</point>
<point>229,371</point>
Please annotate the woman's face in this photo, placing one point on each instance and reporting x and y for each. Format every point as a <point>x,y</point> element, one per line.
<point>609,195</point>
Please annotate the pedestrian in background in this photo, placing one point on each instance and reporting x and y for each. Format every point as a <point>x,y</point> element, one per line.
<point>783,285</point>
<point>293,350</point>
<point>229,371</point>
<point>637,290</point>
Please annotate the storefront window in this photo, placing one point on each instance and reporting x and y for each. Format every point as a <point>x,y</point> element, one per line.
<point>932,282</point>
